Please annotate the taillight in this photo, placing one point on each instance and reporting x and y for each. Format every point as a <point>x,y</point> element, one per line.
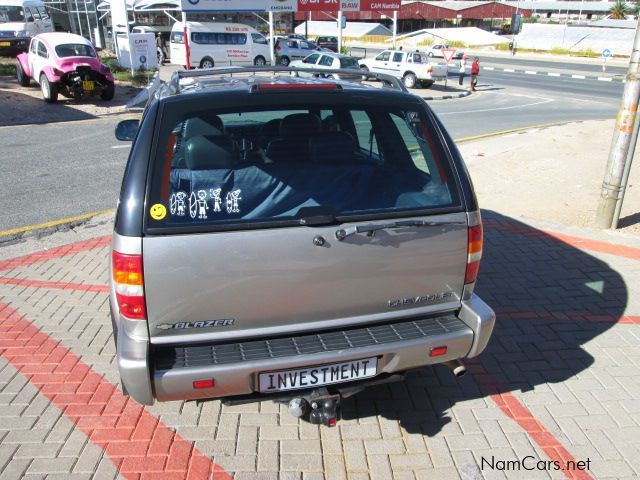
<point>129,285</point>
<point>474,253</point>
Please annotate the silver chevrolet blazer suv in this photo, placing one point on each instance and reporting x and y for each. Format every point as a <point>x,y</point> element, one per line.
<point>293,239</point>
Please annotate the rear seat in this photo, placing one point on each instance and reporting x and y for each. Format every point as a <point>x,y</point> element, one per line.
<point>293,145</point>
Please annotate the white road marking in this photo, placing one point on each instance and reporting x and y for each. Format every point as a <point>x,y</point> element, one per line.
<point>530,72</point>
<point>553,74</point>
<point>488,68</point>
<point>511,107</point>
<point>121,146</point>
<point>578,76</point>
<point>605,79</point>
<point>509,70</point>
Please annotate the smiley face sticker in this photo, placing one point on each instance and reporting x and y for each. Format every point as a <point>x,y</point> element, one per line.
<point>158,211</point>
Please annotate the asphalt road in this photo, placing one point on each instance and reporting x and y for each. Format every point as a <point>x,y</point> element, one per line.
<point>586,66</point>
<point>56,171</point>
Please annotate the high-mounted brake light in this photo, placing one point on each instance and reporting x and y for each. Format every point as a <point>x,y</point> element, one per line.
<point>288,87</point>
<point>474,253</point>
<point>129,285</point>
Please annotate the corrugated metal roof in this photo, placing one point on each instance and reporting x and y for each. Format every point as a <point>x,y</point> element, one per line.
<point>455,5</point>
<point>353,29</point>
<point>563,6</point>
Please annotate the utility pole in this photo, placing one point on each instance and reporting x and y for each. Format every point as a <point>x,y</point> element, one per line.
<point>612,188</point>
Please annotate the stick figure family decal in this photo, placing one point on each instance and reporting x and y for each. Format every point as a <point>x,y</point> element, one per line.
<point>199,203</point>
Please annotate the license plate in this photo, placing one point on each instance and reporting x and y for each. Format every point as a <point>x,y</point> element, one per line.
<point>310,377</point>
<point>5,44</point>
<point>87,85</point>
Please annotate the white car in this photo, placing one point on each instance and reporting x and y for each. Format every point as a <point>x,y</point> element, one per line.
<point>330,61</point>
<point>413,68</point>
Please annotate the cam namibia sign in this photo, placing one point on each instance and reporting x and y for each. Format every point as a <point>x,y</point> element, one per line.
<point>239,5</point>
<point>288,5</point>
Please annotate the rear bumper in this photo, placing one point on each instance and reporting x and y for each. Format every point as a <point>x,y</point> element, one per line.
<point>168,372</point>
<point>13,45</point>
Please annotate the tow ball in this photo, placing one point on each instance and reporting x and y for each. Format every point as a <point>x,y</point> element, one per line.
<point>317,409</point>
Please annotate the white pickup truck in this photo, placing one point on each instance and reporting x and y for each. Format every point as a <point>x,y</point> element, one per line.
<point>414,68</point>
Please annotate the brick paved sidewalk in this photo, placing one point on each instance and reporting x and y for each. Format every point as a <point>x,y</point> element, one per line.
<point>558,382</point>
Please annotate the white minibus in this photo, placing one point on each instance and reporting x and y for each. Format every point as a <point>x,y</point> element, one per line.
<point>216,44</point>
<point>19,21</point>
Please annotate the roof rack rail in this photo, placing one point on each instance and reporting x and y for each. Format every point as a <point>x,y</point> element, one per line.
<point>174,83</point>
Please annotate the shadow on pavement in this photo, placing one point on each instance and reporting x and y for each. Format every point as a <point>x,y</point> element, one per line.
<point>526,276</point>
<point>629,220</point>
<point>25,106</point>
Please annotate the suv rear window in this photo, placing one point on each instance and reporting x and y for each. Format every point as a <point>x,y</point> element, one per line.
<point>251,167</point>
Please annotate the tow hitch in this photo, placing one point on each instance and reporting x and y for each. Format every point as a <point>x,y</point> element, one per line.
<point>319,407</point>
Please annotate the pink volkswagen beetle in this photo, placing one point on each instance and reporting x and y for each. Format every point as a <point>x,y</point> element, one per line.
<point>66,64</point>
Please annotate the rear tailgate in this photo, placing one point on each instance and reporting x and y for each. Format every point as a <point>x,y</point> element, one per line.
<point>271,281</point>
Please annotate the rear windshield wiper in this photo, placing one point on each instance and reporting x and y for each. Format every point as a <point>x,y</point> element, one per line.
<point>372,228</point>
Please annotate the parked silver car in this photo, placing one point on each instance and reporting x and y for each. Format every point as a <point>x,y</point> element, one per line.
<point>294,239</point>
<point>290,49</point>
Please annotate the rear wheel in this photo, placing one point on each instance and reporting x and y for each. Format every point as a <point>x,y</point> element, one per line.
<point>365,69</point>
<point>284,61</point>
<point>409,80</point>
<point>206,62</point>
<point>259,61</point>
<point>49,89</point>
<point>430,54</point>
<point>108,92</point>
<point>23,78</point>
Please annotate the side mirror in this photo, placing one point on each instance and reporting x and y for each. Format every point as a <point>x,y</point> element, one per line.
<point>126,130</point>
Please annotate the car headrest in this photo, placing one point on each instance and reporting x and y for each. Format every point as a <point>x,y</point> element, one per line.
<point>332,147</point>
<point>199,126</point>
<point>271,128</point>
<point>203,154</point>
<point>300,125</point>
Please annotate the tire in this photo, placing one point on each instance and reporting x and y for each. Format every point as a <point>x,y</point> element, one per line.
<point>109,92</point>
<point>23,78</point>
<point>409,80</point>
<point>365,70</point>
<point>207,62</point>
<point>427,83</point>
<point>430,54</point>
<point>330,77</point>
<point>49,89</point>
<point>284,61</point>
<point>259,61</point>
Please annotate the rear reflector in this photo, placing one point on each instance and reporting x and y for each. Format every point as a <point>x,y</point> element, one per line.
<point>437,351</point>
<point>129,285</point>
<point>474,254</point>
<point>332,422</point>
<point>210,383</point>
<point>288,87</point>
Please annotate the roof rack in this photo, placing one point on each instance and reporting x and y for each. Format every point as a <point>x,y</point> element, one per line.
<point>173,87</point>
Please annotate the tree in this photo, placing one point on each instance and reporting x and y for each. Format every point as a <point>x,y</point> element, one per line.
<point>620,10</point>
